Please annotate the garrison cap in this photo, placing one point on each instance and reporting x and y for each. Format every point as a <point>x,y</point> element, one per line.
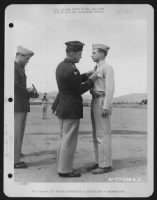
<point>22,50</point>
<point>74,45</point>
<point>101,46</point>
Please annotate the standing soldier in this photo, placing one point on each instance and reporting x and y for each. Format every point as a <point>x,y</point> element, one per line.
<point>69,108</point>
<point>44,105</point>
<point>21,103</point>
<point>102,95</point>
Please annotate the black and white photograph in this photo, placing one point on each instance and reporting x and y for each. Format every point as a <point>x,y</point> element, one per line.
<point>78,100</point>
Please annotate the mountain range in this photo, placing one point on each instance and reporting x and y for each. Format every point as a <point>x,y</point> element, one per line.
<point>134,97</point>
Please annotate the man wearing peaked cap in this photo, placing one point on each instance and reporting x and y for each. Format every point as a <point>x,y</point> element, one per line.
<point>101,106</point>
<point>74,46</point>
<point>68,106</point>
<point>21,102</point>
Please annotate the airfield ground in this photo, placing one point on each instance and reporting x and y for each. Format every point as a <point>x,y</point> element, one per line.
<point>129,147</point>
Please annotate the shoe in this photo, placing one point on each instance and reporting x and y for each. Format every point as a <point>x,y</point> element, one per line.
<point>70,175</point>
<point>90,168</point>
<point>20,165</point>
<point>100,170</point>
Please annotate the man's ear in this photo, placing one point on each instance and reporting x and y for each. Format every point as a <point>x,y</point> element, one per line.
<point>72,53</point>
<point>102,53</point>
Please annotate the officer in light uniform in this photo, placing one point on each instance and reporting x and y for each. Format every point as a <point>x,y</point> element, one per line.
<point>101,107</point>
<point>21,102</point>
<point>69,108</point>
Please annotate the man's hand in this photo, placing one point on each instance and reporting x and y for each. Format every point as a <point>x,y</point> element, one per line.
<point>105,112</point>
<point>35,94</point>
<point>32,93</point>
<point>89,73</point>
<point>94,76</point>
<point>30,90</point>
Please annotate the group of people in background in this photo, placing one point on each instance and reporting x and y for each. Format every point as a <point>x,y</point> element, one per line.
<point>68,106</point>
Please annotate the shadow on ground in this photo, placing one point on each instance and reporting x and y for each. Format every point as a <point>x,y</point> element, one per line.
<point>42,162</point>
<point>50,160</point>
<point>89,132</point>
<point>40,153</point>
<point>119,164</point>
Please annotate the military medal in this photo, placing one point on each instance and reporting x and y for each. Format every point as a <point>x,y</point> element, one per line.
<point>75,73</point>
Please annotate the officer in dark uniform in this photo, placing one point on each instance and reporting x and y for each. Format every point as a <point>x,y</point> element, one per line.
<point>21,103</point>
<point>69,107</point>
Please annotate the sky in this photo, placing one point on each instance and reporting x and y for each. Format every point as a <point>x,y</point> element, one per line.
<point>43,30</point>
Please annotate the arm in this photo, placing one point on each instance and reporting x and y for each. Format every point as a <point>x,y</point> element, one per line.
<point>20,89</point>
<point>84,77</point>
<point>34,93</point>
<point>55,103</point>
<point>86,86</point>
<point>109,84</point>
<point>74,81</point>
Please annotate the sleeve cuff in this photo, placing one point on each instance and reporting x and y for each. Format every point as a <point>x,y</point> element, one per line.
<point>108,107</point>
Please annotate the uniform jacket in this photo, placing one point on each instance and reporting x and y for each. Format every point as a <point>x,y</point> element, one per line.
<point>21,96</point>
<point>71,86</point>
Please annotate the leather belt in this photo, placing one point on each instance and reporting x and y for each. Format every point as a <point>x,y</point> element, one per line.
<point>98,94</point>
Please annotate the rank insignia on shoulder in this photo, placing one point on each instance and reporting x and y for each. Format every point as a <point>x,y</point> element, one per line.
<point>75,73</point>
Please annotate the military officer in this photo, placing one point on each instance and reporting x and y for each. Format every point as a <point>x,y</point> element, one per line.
<point>21,102</point>
<point>102,95</point>
<point>69,108</point>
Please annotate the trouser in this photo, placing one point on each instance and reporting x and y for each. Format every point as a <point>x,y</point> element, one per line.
<point>19,128</point>
<point>44,111</point>
<point>101,131</point>
<point>67,144</point>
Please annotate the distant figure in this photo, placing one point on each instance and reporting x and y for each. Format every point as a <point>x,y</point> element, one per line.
<point>44,105</point>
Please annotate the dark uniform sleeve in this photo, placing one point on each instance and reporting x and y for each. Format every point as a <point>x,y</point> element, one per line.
<point>84,87</point>
<point>84,77</point>
<point>55,103</point>
<point>19,88</point>
<point>75,80</point>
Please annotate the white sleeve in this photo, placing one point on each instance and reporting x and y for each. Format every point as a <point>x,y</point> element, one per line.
<point>109,87</point>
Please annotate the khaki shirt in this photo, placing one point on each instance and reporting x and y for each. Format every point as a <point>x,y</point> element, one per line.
<point>105,83</point>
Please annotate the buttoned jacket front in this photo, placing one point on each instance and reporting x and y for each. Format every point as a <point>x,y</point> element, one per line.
<point>71,85</point>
